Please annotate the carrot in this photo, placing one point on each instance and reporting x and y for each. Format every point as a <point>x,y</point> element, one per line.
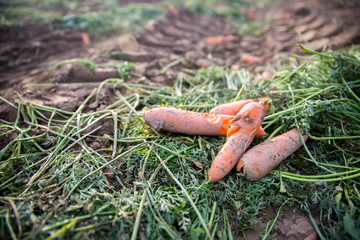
<point>187,122</point>
<point>241,132</point>
<point>234,107</point>
<point>261,159</point>
<point>216,40</point>
<point>85,38</point>
<point>251,59</point>
<point>190,123</point>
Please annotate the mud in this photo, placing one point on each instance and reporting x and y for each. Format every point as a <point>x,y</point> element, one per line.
<point>26,51</point>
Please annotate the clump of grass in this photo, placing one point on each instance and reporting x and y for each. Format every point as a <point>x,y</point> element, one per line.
<point>145,184</point>
<point>118,19</point>
<point>18,12</point>
<point>123,68</point>
<point>233,11</point>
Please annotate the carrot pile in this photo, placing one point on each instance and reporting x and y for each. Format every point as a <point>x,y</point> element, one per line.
<point>241,122</point>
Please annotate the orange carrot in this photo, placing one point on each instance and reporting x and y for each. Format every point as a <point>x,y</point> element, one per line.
<point>251,59</point>
<point>218,40</point>
<point>261,159</point>
<point>241,132</point>
<point>187,122</point>
<point>234,107</point>
<point>85,38</point>
<point>190,123</point>
<point>215,40</point>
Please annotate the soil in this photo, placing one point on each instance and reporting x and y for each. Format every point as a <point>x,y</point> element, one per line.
<point>179,41</point>
<point>6,137</point>
<point>291,225</point>
<point>26,52</point>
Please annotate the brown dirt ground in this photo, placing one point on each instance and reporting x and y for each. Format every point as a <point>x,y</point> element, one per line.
<point>27,52</point>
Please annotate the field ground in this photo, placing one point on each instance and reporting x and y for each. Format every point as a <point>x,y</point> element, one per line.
<point>78,161</point>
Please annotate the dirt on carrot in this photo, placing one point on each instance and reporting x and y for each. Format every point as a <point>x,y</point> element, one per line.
<point>187,122</point>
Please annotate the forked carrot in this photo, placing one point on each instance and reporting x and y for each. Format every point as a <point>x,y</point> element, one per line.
<point>233,108</point>
<point>241,132</point>
<point>262,158</point>
<point>190,123</point>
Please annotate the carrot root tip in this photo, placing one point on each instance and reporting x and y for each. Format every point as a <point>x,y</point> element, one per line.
<point>240,167</point>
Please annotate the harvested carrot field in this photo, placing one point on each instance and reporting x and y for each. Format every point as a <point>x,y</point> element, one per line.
<point>80,159</point>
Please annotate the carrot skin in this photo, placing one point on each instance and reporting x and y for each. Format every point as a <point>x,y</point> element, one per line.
<point>190,123</point>
<point>246,123</point>
<point>230,108</point>
<point>251,59</point>
<point>187,122</point>
<point>262,158</point>
<point>234,107</point>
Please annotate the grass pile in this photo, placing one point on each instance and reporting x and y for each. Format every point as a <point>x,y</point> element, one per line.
<point>140,183</point>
